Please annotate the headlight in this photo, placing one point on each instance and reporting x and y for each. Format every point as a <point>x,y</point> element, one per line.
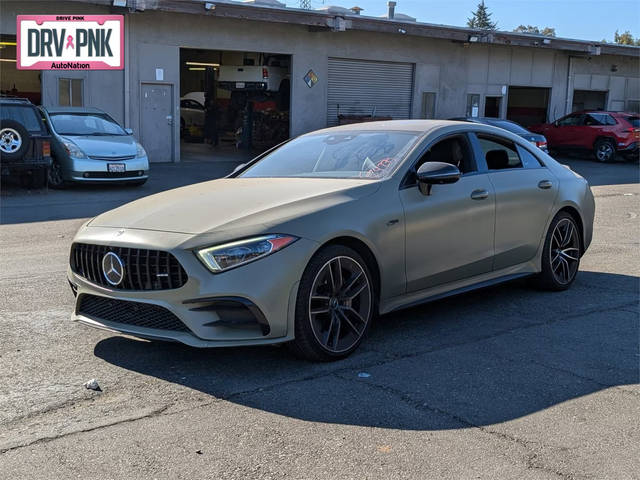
<point>230,255</point>
<point>73,150</point>
<point>140,152</point>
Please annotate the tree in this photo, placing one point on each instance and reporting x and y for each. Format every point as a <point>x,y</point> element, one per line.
<point>481,18</point>
<point>546,31</point>
<point>625,38</point>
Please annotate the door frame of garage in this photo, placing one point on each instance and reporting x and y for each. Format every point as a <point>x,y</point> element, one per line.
<point>173,115</point>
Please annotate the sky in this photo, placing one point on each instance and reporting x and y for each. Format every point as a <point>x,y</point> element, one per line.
<point>581,19</point>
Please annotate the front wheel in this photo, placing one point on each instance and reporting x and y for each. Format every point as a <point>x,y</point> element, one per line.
<point>604,150</point>
<point>561,254</point>
<point>335,305</point>
<point>56,178</point>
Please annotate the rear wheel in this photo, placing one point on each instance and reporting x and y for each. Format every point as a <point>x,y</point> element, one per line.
<point>604,150</point>
<point>561,254</point>
<point>335,305</point>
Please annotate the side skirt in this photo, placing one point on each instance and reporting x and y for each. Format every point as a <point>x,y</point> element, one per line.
<point>417,298</point>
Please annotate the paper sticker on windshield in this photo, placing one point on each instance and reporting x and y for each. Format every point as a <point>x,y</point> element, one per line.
<point>70,42</point>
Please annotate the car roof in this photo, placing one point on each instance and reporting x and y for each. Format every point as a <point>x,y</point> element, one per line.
<point>608,112</point>
<point>417,126</point>
<point>73,110</point>
<point>16,100</point>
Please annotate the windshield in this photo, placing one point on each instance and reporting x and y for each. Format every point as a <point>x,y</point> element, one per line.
<point>510,126</point>
<point>347,154</point>
<point>85,124</point>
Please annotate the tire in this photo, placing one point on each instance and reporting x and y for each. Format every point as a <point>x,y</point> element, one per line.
<point>604,150</point>
<point>340,322</point>
<point>56,180</point>
<point>559,270</point>
<point>14,140</point>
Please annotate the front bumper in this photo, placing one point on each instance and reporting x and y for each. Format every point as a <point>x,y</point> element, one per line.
<point>268,287</point>
<point>97,171</point>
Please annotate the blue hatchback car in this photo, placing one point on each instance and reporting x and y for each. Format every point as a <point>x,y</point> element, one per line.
<point>89,146</point>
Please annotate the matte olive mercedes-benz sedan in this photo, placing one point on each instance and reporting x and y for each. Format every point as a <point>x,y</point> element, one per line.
<point>308,242</point>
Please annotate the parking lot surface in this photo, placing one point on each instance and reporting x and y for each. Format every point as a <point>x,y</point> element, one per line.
<point>506,382</point>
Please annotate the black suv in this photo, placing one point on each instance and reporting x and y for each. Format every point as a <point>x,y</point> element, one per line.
<point>25,143</point>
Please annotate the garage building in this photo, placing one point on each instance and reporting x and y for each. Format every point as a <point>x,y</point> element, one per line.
<point>319,68</point>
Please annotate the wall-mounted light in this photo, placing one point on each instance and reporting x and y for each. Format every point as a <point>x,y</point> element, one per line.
<point>614,68</point>
<point>202,64</point>
<point>119,3</point>
<point>546,41</point>
<point>473,38</point>
<point>209,6</point>
<point>402,31</point>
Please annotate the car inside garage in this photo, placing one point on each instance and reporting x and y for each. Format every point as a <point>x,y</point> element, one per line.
<point>233,105</point>
<point>528,105</point>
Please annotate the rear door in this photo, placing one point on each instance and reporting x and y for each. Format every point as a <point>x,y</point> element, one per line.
<point>525,191</point>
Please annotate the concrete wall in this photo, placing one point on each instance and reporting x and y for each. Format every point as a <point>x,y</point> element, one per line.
<point>451,70</point>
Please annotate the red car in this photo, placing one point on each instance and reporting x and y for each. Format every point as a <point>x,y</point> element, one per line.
<point>603,133</point>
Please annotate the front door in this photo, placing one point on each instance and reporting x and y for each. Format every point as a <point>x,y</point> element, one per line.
<point>449,233</point>
<point>156,110</point>
<point>525,191</point>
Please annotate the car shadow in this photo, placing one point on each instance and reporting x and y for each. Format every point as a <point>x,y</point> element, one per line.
<point>597,174</point>
<point>481,358</point>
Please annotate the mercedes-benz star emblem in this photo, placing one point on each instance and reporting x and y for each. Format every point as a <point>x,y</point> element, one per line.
<point>112,268</point>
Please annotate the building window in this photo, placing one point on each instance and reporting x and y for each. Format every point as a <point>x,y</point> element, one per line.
<point>70,92</point>
<point>473,105</point>
<point>428,105</point>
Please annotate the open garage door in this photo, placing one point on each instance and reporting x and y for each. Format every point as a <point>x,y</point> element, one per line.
<point>14,82</point>
<point>358,89</point>
<point>589,100</point>
<point>528,105</point>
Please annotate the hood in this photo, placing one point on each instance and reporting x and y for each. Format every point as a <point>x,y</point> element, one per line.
<point>104,146</point>
<point>533,137</point>
<point>234,204</point>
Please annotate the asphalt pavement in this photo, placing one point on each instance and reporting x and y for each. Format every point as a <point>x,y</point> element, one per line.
<point>506,382</point>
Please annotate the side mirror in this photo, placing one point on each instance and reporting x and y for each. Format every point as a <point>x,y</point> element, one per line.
<point>555,124</point>
<point>129,131</point>
<point>436,173</point>
<point>239,167</point>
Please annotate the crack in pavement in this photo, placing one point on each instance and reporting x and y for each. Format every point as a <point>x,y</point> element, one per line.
<point>389,358</point>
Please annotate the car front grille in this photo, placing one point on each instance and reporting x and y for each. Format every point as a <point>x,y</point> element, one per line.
<point>143,269</point>
<point>113,159</point>
<point>129,313</point>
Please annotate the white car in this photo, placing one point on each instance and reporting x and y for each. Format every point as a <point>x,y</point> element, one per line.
<point>191,112</point>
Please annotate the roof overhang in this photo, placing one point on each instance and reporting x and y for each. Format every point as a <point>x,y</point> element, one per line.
<point>323,21</point>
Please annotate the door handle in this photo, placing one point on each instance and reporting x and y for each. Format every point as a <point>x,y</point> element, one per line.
<point>545,184</point>
<point>479,194</point>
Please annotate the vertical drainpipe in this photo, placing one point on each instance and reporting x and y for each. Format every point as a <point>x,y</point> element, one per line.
<point>568,104</point>
<point>392,10</point>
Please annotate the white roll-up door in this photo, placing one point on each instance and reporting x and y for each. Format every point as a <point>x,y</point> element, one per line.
<point>363,87</point>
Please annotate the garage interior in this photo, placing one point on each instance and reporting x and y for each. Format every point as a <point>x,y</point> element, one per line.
<point>233,105</point>
<point>528,105</point>
<point>14,82</point>
<point>588,100</point>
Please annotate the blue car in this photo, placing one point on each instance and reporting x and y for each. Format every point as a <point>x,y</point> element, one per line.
<point>88,146</point>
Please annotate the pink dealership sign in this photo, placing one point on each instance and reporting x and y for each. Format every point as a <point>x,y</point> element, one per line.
<point>70,42</point>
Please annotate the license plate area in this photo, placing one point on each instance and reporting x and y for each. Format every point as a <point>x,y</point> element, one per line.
<point>240,85</point>
<point>115,168</point>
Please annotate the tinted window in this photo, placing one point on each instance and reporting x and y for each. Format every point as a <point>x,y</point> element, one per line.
<point>529,160</point>
<point>85,124</point>
<point>610,120</point>
<point>27,116</point>
<point>571,120</point>
<point>347,154</point>
<point>454,150</point>
<point>499,153</point>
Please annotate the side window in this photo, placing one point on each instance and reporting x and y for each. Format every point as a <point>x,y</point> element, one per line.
<point>499,153</point>
<point>454,150</point>
<point>529,160</point>
<point>610,120</point>
<point>70,92</point>
<point>571,121</point>
<point>594,120</point>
